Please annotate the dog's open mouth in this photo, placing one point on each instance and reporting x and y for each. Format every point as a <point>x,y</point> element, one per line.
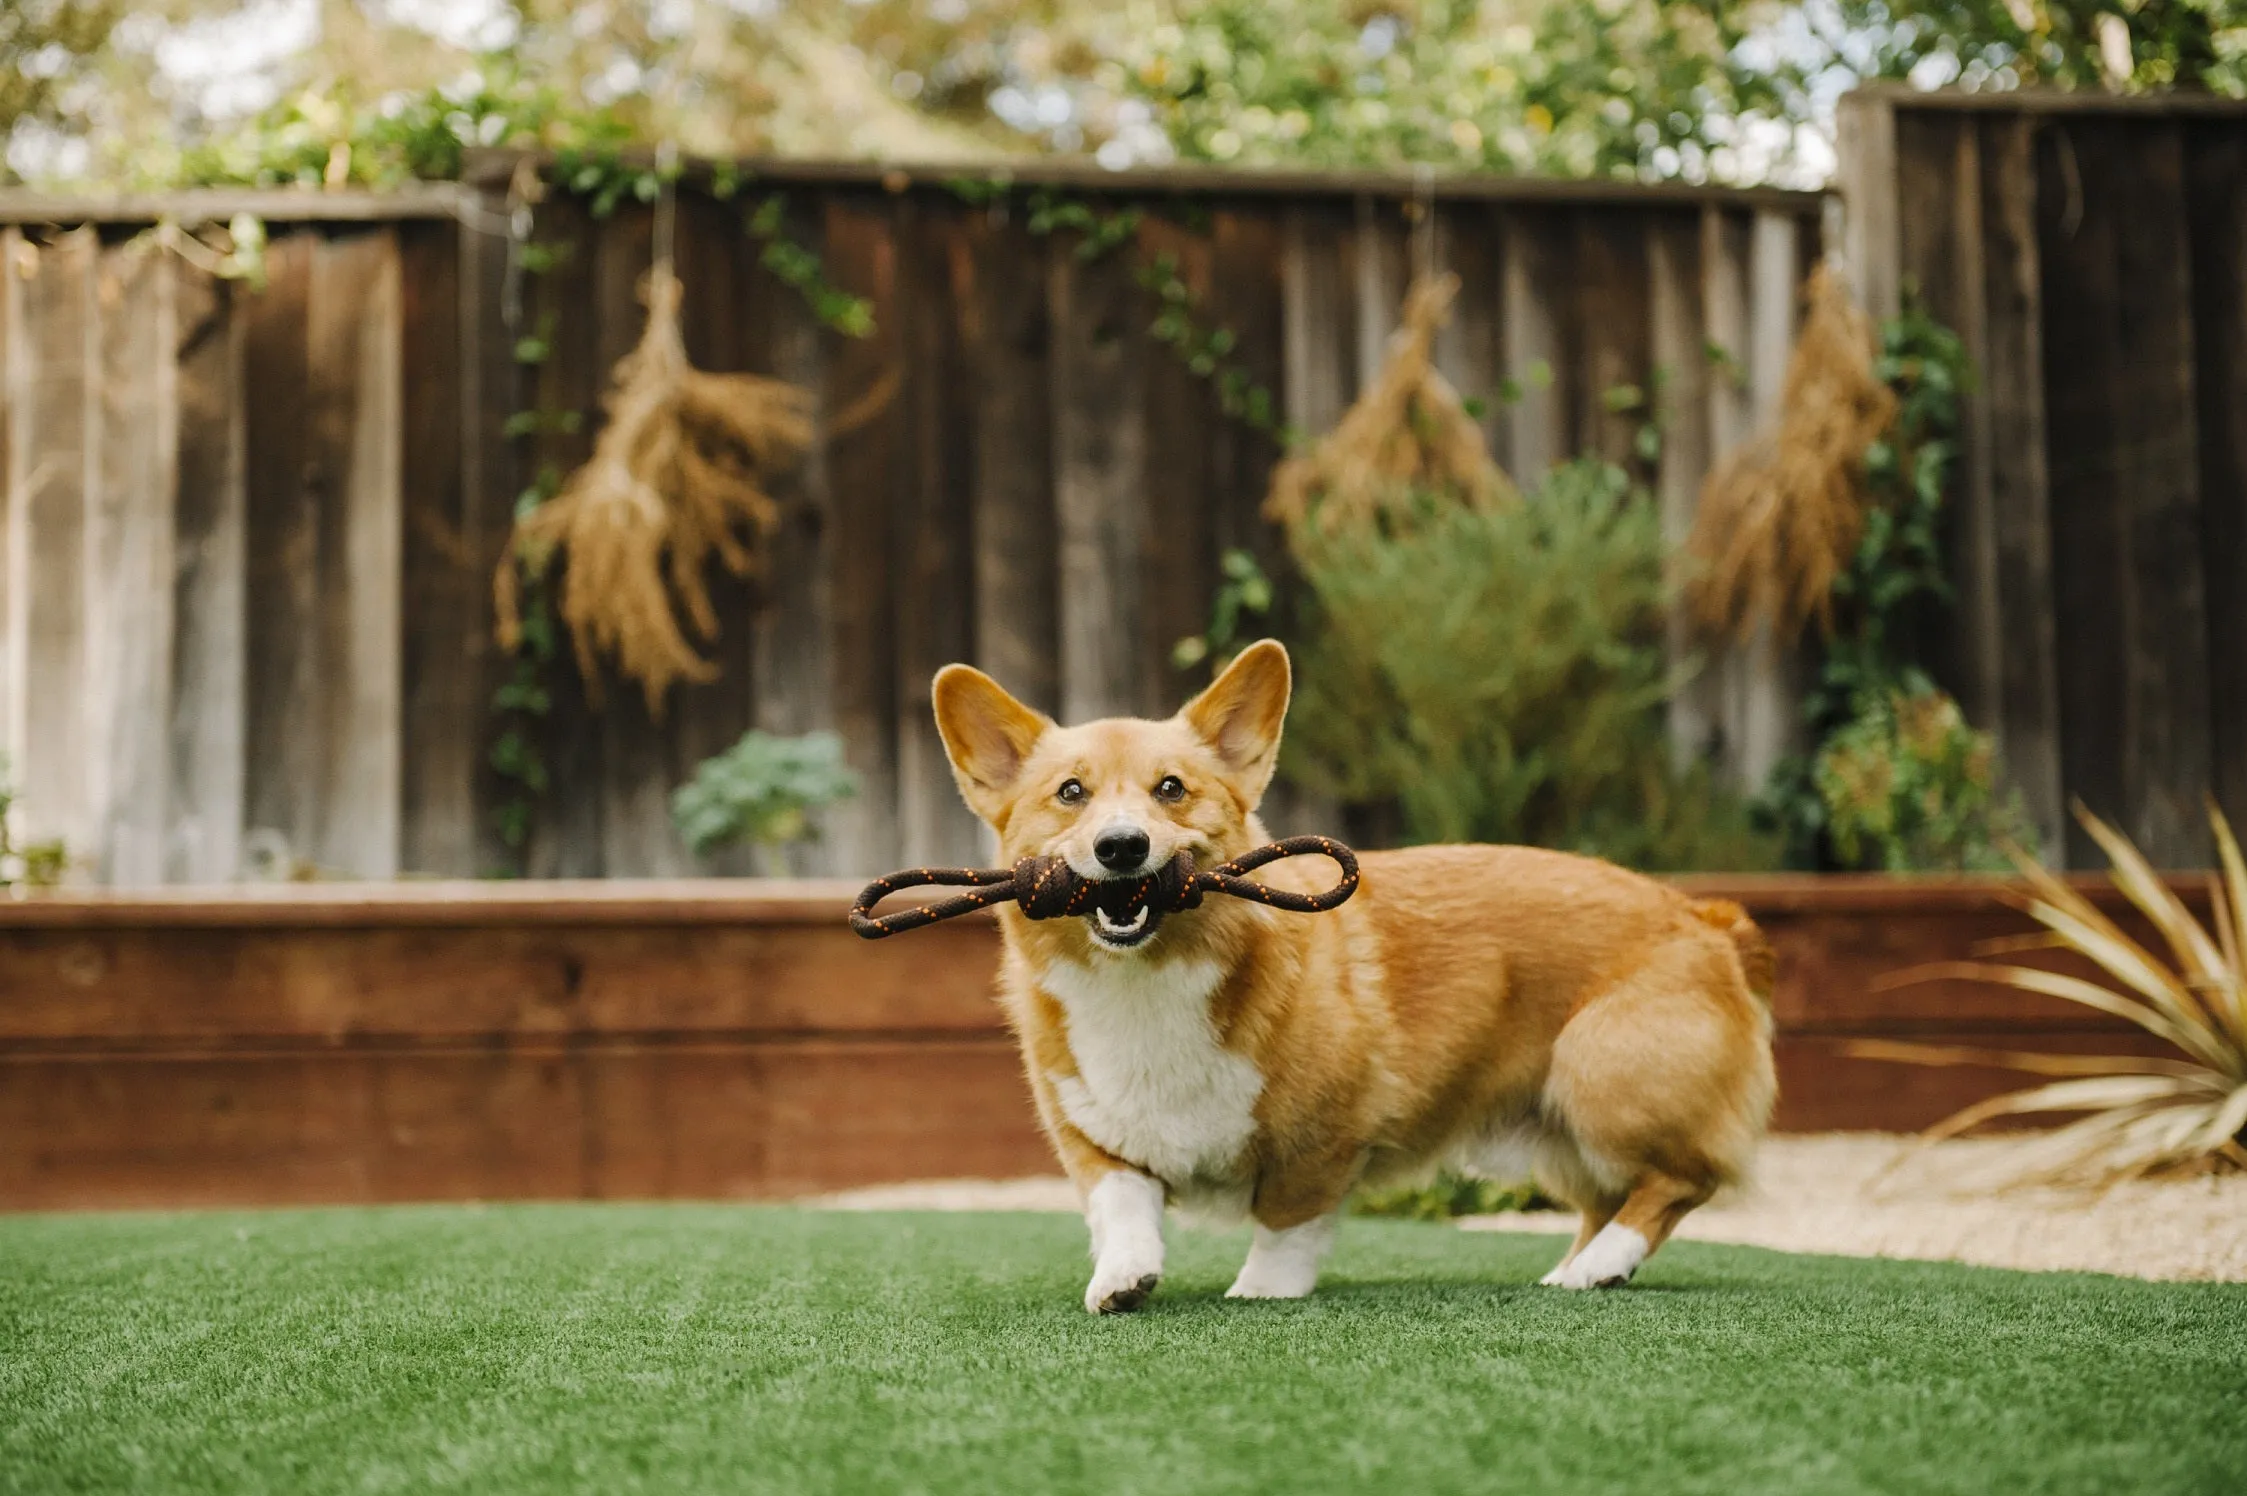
<point>1124,918</point>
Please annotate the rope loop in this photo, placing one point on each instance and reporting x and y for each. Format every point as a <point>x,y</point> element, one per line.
<point>1048,888</point>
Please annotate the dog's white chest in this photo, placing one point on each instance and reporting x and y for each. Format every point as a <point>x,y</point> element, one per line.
<point>1153,1084</point>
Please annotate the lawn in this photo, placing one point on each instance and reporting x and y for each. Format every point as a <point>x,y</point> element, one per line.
<point>613,1348</point>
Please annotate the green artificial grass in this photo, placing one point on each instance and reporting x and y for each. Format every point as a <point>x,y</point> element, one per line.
<point>710,1348</point>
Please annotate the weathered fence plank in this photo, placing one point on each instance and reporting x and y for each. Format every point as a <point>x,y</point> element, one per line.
<point>1249,299</point>
<point>130,527</point>
<point>2216,205</point>
<point>1677,338</point>
<point>2028,711</point>
<point>1533,259</point>
<point>210,604</point>
<point>2166,778</point>
<point>864,380</point>
<point>933,581</point>
<point>1017,619</point>
<point>1319,325</point>
<point>16,260</point>
<point>1382,259</point>
<point>792,636</point>
<point>1611,356</point>
<point>445,587</point>
<point>2078,164</point>
<point>1468,345</point>
<point>1101,470</point>
<point>566,837</point>
<point>354,320</point>
<point>1767,721</point>
<point>1181,549</point>
<point>491,477</point>
<point>54,400</point>
<point>282,566</point>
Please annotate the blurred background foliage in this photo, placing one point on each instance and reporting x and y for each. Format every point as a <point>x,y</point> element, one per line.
<point>155,91</point>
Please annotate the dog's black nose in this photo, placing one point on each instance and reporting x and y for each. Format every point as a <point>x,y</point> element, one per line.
<point>1121,849</point>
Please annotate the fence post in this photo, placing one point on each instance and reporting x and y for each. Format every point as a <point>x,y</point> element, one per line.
<point>1872,249</point>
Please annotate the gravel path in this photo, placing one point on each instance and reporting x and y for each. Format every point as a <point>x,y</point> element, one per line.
<point>1822,1193</point>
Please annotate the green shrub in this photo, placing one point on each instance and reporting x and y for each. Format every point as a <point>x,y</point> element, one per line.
<point>1908,785</point>
<point>1449,1195</point>
<point>40,864</point>
<point>762,790</point>
<point>1498,675</point>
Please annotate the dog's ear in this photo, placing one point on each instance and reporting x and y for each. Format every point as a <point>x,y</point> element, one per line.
<point>987,735</point>
<point>1241,713</point>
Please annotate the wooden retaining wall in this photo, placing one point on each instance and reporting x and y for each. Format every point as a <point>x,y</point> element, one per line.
<point>707,1039</point>
<point>2092,251</point>
<point>250,532</point>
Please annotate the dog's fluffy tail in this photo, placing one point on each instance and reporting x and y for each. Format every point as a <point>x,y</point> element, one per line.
<point>1756,958</point>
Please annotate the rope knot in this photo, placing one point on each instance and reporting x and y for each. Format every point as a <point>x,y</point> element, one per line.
<point>1047,888</point>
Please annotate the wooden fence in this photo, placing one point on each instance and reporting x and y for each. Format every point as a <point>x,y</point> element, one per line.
<point>2093,254</point>
<point>244,610</point>
<point>250,531</point>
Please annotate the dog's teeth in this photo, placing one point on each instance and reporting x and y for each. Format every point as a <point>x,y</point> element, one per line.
<point>1109,924</point>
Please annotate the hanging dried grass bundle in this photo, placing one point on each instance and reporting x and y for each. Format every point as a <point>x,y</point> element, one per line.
<point>1781,517</point>
<point>673,479</point>
<point>1408,436</point>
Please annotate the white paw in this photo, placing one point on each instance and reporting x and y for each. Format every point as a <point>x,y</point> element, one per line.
<point>1120,1286</point>
<point>1284,1264</point>
<point>1125,1213</point>
<point>1607,1261</point>
<point>1273,1284</point>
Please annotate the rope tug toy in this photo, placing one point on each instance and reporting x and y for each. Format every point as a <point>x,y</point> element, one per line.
<point>1048,888</point>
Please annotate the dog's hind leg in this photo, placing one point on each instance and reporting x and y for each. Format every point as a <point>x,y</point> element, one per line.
<point>1562,1172</point>
<point>1644,1223</point>
<point>1591,1220</point>
<point>1662,1084</point>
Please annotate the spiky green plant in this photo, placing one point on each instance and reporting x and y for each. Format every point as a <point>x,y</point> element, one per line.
<point>2145,1114</point>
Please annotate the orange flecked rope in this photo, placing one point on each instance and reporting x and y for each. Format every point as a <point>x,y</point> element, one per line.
<point>1048,888</point>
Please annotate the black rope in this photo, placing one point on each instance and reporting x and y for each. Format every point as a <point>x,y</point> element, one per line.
<point>1048,888</point>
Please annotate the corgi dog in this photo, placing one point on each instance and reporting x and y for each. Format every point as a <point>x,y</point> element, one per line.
<point>1506,1011</point>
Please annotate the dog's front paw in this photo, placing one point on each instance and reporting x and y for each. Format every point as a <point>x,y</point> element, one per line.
<point>1119,1288</point>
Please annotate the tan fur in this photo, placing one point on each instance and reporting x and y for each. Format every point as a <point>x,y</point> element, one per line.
<point>1488,1006</point>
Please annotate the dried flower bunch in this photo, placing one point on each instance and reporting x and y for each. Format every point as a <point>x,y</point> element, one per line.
<point>1408,436</point>
<point>676,477</point>
<point>1781,517</point>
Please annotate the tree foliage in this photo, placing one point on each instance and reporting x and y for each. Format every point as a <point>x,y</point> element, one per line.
<point>45,49</point>
<point>2129,44</point>
<point>1721,89</point>
<point>1571,87</point>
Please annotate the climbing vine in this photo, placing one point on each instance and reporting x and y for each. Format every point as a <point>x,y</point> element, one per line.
<point>601,176</point>
<point>1206,350</point>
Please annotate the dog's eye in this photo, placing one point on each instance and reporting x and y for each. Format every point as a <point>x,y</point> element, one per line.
<point>1171,789</point>
<point>1071,792</point>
